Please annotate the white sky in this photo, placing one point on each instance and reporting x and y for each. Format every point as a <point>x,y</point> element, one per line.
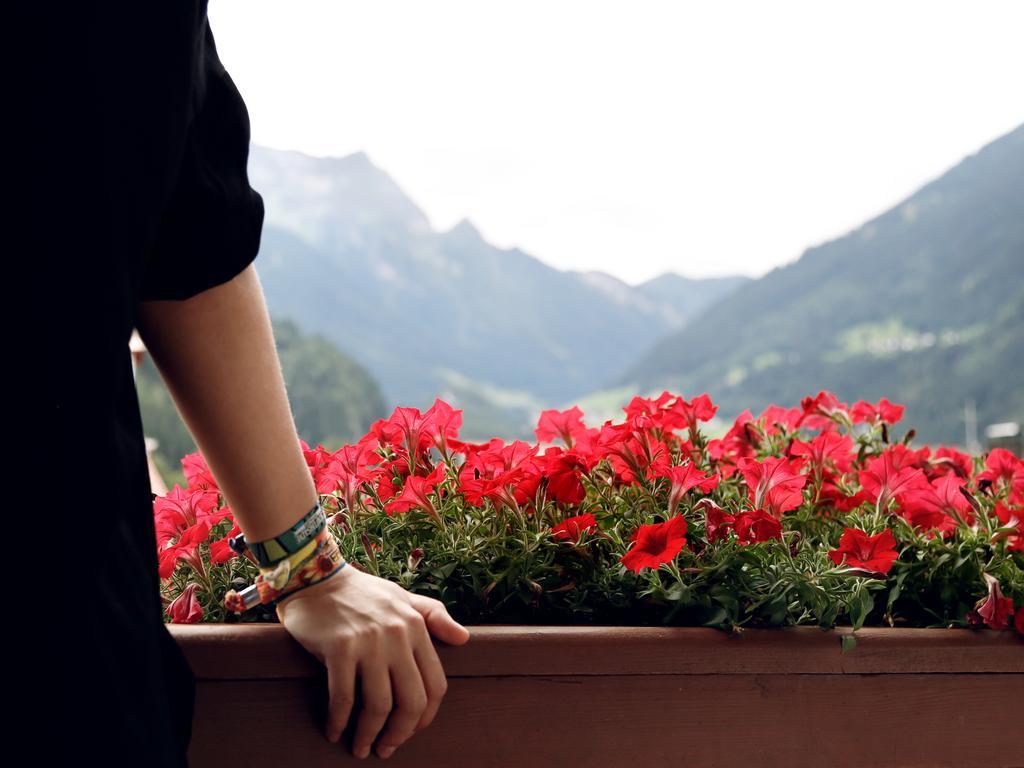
<point>635,137</point>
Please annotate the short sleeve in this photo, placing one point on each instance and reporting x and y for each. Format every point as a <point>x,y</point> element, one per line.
<point>210,228</point>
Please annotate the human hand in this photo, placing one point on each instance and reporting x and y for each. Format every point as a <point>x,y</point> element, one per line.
<point>358,624</point>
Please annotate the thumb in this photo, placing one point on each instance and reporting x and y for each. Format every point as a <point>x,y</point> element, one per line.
<point>439,623</point>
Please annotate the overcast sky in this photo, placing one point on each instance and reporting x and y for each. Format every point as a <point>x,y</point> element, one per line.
<point>635,137</point>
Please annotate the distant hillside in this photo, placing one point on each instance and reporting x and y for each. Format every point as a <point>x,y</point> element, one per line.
<point>334,399</point>
<point>924,304</point>
<point>687,296</point>
<point>347,254</point>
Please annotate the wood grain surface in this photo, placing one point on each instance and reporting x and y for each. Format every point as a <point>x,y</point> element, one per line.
<point>640,698</point>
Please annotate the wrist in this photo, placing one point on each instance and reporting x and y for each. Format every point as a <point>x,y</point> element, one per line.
<point>269,552</point>
<point>317,561</point>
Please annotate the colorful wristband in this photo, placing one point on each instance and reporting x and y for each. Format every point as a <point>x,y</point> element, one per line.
<point>303,570</point>
<point>272,551</point>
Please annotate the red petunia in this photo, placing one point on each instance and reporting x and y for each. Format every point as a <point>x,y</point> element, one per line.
<point>220,550</point>
<point>185,609</point>
<point>183,508</point>
<point>198,473</point>
<point>685,478</point>
<point>567,425</point>
<point>633,453</point>
<point>415,493</point>
<point>828,452</point>
<point>322,466</point>
<point>738,443</point>
<point>773,484</point>
<point>874,554</point>
<point>882,412</point>
<point>655,544</point>
<point>697,410</point>
<point>1010,518</point>
<point>572,528</point>
<point>1000,464</point>
<point>185,548</point>
<point>941,505</point>
<point>352,468</point>
<point>442,424</point>
<point>754,526</point>
<point>886,477</point>
<point>563,470</point>
<point>822,411</point>
<point>995,609</point>
<point>717,522</point>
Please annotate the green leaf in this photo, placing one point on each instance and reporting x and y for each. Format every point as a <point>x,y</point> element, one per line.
<point>860,606</point>
<point>847,643</point>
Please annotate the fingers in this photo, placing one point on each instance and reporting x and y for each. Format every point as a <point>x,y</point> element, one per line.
<point>410,701</point>
<point>377,700</point>
<point>441,625</point>
<point>341,674</point>
<point>434,681</point>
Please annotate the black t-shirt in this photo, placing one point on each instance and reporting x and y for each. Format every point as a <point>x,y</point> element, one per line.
<point>137,144</point>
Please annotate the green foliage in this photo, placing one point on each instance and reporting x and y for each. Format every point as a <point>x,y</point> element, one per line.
<point>491,565</point>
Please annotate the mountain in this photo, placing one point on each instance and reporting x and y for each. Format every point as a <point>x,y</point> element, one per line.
<point>923,304</point>
<point>348,255</point>
<point>689,297</point>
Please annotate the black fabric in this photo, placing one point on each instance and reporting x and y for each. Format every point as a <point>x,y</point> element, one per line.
<point>133,168</point>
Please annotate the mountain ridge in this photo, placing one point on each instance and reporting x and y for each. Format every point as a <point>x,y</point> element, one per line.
<point>347,254</point>
<point>906,296</point>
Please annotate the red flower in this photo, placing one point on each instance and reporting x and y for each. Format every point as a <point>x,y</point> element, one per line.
<point>1010,517</point>
<point>645,413</point>
<point>1000,464</point>
<point>1018,619</point>
<point>567,425</point>
<point>415,493</point>
<point>507,475</point>
<point>753,526</point>
<point>322,466</point>
<point>828,452</point>
<point>198,473</point>
<point>886,478</point>
<point>884,411</point>
<point>442,424</point>
<point>699,409</point>
<point>716,522</point>
<point>655,544</point>
<point>776,419</point>
<point>874,554</point>
<point>220,550</point>
<point>739,443</point>
<point>181,509</point>
<point>185,609</point>
<point>572,528</point>
<point>994,609</point>
<point>684,479</point>
<point>184,549</point>
<point>944,498</point>
<point>633,453</point>
<point>563,470</point>
<point>351,467</point>
<point>773,484</point>
<point>822,411</point>
<point>951,460</point>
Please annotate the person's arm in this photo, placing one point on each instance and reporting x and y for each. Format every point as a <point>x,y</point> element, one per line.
<point>216,353</point>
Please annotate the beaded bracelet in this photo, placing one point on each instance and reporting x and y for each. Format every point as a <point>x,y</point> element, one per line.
<point>318,560</point>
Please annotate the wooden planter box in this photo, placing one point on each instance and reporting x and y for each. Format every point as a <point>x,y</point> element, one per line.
<point>638,697</point>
